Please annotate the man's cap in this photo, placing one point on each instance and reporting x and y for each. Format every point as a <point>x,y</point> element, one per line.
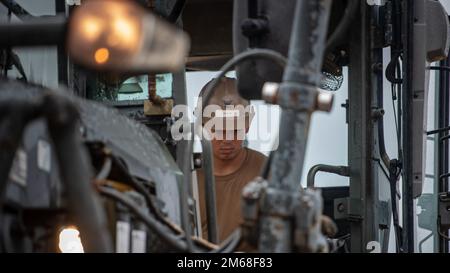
<point>225,93</point>
<point>231,107</point>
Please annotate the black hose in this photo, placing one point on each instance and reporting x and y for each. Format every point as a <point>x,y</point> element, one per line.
<point>162,231</point>
<point>438,130</point>
<point>183,201</point>
<point>176,11</point>
<point>166,234</point>
<point>445,175</point>
<point>243,56</point>
<point>439,68</point>
<point>392,166</point>
<point>142,190</point>
<point>423,241</point>
<point>344,24</point>
<point>446,137</point>
<point>393,189</point>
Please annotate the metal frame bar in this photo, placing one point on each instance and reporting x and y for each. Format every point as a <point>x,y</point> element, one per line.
<point>406,128</point>
<point>16,9</point>
<point>63,62</point>
<point>339,170</point>
<point>361,135</point>
<point>297,98</point>
<point>36,32</point>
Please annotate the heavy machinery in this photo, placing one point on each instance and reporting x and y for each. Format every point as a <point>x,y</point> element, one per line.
<point>88,157</point>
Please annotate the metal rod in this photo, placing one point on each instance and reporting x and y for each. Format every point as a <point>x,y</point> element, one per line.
<point>62,57</point>
<point>443,129</point>
<point>362,207</point>
<point>445,183</point>
<point>184,195</point>
<point>210,190</point>
<point>297,98</point>
<point>407,196</point>
<point>339,170</point>
<point>445,175</point>
<point>391,164</point>
<point>344,24</point>
<point>250,54</point>
<point>439,68</point>
<point>37,32</point>
<point>301,76</point>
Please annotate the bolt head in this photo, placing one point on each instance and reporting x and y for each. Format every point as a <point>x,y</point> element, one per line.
<point>270,92</point>
<point>324,101</point>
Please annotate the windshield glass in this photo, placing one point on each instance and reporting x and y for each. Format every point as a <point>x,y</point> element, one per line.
<point>136,88</point>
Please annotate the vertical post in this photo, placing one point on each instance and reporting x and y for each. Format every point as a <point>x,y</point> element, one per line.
<point>282,205</point>
<point>407,97</point>
<point>297,95</point>
<point>63,63</point>
<point>360,134</point>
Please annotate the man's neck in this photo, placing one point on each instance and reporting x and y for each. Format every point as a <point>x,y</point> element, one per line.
<point>226,167</point>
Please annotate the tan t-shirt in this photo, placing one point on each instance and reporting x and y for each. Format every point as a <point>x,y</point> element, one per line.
<point>229,194</point>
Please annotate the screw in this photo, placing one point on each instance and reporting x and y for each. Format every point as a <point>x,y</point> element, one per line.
<point>324,101</point>
<point>270,92</point>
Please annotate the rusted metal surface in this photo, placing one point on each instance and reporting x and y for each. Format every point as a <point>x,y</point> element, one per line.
<point>297,95</point>
<point>289,219</point>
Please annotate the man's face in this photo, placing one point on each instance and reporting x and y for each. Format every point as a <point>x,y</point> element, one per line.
<point>227,144</point>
